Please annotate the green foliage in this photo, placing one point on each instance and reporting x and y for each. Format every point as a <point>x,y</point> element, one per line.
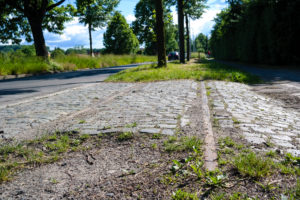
<point>254,166</point>
<point>17,63</point>
<point>182,144</point>
<point>257,31</point>
<point>125,136</point>
<point>182,195</point>
<point>119,38</point>
<point>214,179</point>
<point>203,71</point>
<point>20,18</point>
<point>95,13</point>
<point>201,43</point>
<point>57,52</point>
<point>144,26</point>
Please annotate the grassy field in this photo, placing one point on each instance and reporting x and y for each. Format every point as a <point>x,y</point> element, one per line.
<point>12,65</point>
<point>198,71</point>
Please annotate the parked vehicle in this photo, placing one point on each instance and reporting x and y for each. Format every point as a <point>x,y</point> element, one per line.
<point>173,56</point>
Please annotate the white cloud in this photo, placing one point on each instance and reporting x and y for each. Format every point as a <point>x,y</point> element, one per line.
<point>130,18</point>
<point>205,23</point>
<point>74,34</point>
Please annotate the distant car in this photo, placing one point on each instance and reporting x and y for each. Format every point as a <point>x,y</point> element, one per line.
<point>173,56</point>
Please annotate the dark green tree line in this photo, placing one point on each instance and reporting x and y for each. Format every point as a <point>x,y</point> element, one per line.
<point>258,32</point>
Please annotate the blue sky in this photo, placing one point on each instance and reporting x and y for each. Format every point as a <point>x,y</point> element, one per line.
<point>76,34</point>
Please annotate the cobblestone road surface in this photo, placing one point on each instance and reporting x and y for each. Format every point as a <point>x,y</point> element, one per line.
<point>103,107</point>
<point>261,120</point>
<point>153,108</point>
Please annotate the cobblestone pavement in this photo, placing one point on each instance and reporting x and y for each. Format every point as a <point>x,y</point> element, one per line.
<point>261,120</point>
<point>153,108</point>
<point>103,107</point>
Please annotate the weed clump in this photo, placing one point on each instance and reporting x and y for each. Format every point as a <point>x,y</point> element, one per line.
<point>182,144</point>
<point>125,136</point>
<point>253,166</point>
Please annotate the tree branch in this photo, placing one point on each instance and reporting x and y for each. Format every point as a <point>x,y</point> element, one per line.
<point>54,5</point>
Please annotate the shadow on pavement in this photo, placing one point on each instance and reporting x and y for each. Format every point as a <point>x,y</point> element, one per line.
<point>15,91</point>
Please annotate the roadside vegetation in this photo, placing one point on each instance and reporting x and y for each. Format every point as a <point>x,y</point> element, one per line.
<point>204,70</point>
<point>18,63</point>
<point>32,153</point>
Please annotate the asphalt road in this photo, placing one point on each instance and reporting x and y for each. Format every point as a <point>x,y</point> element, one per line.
<point>14,90</point>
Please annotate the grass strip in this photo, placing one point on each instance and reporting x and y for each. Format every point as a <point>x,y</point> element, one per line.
<point>206,70</point>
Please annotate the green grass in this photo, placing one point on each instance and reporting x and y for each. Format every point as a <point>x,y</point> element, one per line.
<point>182,195</point>
<point>198,71</point>
<point>252,165</point>
<point>13,64</point>
<point>125,136</point>
<point>174,144</point>
<point>22,65</point>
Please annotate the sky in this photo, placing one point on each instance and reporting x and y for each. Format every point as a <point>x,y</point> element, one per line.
<point>76,34</point>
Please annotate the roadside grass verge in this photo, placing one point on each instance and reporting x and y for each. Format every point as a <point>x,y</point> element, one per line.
<point>22,65</point>
<point>206,70</point>
<point>74,62</point>
<point>14,65</point>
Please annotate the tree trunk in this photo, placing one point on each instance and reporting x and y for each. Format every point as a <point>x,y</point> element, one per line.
<point>188,48</point>
<point>181,30</point>
<point>38,36</point>
<point>91,41</point>
<point>160,34</point>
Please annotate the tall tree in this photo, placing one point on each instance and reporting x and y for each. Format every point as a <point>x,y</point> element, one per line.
<point>145,25</point>
<point>192,9</point>
<point>29,18</point>
<point>201,43</point>
<point>180,6</point>
<point>119,38</point>
<point>94,14</point>
<point>160,34</point>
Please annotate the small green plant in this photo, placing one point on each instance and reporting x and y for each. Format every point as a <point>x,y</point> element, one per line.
<point>134,124</point>
<point>53,181</point>
<point>82,121</point>
<point>154,146</point>
<point>84,137</point>
<point>125,136</point>
<point>182,195</point>
<point>214,178</point>
<point>182,144</point>
<point>226,142</point>
<point>197,169</point>
<point>235,120</point>
<point>268,187</point>
<point>176,166</point>
<point>106,127</point>
<point>254,166</point>
<point>217,196</point>
<point>156,136</point>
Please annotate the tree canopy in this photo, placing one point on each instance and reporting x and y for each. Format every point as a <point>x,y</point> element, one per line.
<point>19,18</point>
<point>257,31</point>
<point>119,37</point>
<point>145,26</point>
<point>95,14</point>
